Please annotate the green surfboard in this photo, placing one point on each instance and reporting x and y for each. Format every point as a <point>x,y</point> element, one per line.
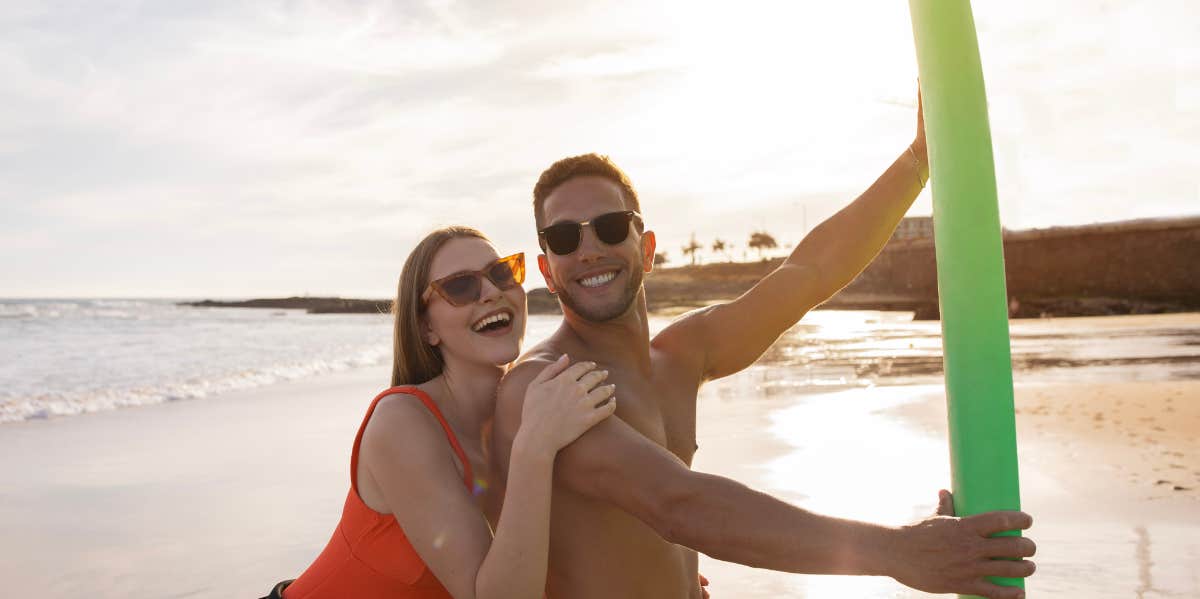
<point>970,261</point>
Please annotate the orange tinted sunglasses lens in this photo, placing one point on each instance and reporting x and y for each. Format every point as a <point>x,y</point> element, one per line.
<point>466,287</point>
<point>516,267</point>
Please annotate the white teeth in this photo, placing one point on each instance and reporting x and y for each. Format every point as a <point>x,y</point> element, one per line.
<point>501,317</point>
<point>598,280</point>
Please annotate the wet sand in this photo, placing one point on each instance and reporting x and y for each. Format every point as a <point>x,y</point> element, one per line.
<point>1136,441</point>
<point>1109,472</point>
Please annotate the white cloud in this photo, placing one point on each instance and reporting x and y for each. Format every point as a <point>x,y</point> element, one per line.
<point>335,135</point>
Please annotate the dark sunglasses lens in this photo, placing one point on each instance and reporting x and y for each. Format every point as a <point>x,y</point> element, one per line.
<point>562,238</point>
<point>612,228</point>
<point>461,290</point>
<point>502,275</point>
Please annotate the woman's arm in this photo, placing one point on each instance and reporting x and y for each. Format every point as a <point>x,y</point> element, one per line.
<point>409,459</point>
<point>515,566</point>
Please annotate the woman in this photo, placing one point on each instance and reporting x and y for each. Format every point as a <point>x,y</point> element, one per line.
<point>413,524</point>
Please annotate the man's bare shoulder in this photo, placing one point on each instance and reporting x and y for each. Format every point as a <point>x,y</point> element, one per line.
<point>510,393</point>
<point>514,382</point>
<point>525,369</point>
<point>681,329</point>
<point>540,353</point>
<point>681,343</point>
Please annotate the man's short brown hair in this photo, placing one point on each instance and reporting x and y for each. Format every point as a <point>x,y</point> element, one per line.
<point>585,165</point>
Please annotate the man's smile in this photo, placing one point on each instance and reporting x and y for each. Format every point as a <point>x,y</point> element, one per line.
<point>600,278</point>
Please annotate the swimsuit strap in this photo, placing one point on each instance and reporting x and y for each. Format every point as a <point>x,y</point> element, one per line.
<point>468,478</point>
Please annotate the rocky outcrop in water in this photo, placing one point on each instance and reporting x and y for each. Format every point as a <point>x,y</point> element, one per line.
<point>312,305</point>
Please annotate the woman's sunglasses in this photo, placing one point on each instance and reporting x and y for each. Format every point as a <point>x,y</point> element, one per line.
<point>463,288</point>
<point>611,228</point>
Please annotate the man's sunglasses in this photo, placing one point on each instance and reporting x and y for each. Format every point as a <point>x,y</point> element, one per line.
<point>611,228</point>
<point>463,288</point>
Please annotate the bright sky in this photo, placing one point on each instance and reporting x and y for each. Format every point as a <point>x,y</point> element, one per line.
<point>234,148</point>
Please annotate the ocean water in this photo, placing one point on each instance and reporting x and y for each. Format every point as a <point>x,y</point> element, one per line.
<point>69,357</point>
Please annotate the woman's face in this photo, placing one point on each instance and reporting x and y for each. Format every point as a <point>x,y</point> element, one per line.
<point>461,331</point>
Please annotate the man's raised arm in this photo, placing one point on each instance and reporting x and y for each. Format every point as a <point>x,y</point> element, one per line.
<point>733,335</point>
<point>726,520</point>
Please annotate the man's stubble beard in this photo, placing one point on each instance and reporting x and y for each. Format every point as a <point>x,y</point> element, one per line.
<point>605,313</point>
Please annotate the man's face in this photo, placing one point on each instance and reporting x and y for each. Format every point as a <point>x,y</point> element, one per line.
<point>597,281</point>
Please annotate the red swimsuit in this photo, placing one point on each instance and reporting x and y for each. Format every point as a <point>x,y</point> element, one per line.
<point>369,556</point>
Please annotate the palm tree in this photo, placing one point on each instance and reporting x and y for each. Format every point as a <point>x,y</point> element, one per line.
<point>660,258</point>
<point>719,247</point>
<point>761,240</point>
<point>691,248</point>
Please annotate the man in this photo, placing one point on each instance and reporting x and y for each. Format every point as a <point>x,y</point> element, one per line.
<point>628,512</point>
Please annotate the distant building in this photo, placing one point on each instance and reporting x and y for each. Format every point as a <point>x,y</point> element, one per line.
<point>914,227</point>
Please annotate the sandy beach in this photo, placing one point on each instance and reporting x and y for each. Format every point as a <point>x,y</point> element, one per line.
<point>219,497</point>
<point>1115,498</point>
<point>1143,434</point>
<point>223,496</point>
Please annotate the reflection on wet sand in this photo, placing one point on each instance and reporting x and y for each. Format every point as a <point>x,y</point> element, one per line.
<point>848,347</point>
<point>811,425</point>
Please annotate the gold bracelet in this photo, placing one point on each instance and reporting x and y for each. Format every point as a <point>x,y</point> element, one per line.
<point>917,162</point>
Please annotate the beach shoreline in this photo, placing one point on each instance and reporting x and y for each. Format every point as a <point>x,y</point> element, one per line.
<point>227,494</point>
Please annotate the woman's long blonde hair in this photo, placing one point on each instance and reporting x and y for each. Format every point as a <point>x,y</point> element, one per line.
<point>414,360</point>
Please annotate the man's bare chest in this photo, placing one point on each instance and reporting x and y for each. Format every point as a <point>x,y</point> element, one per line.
<point>662,412</point>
